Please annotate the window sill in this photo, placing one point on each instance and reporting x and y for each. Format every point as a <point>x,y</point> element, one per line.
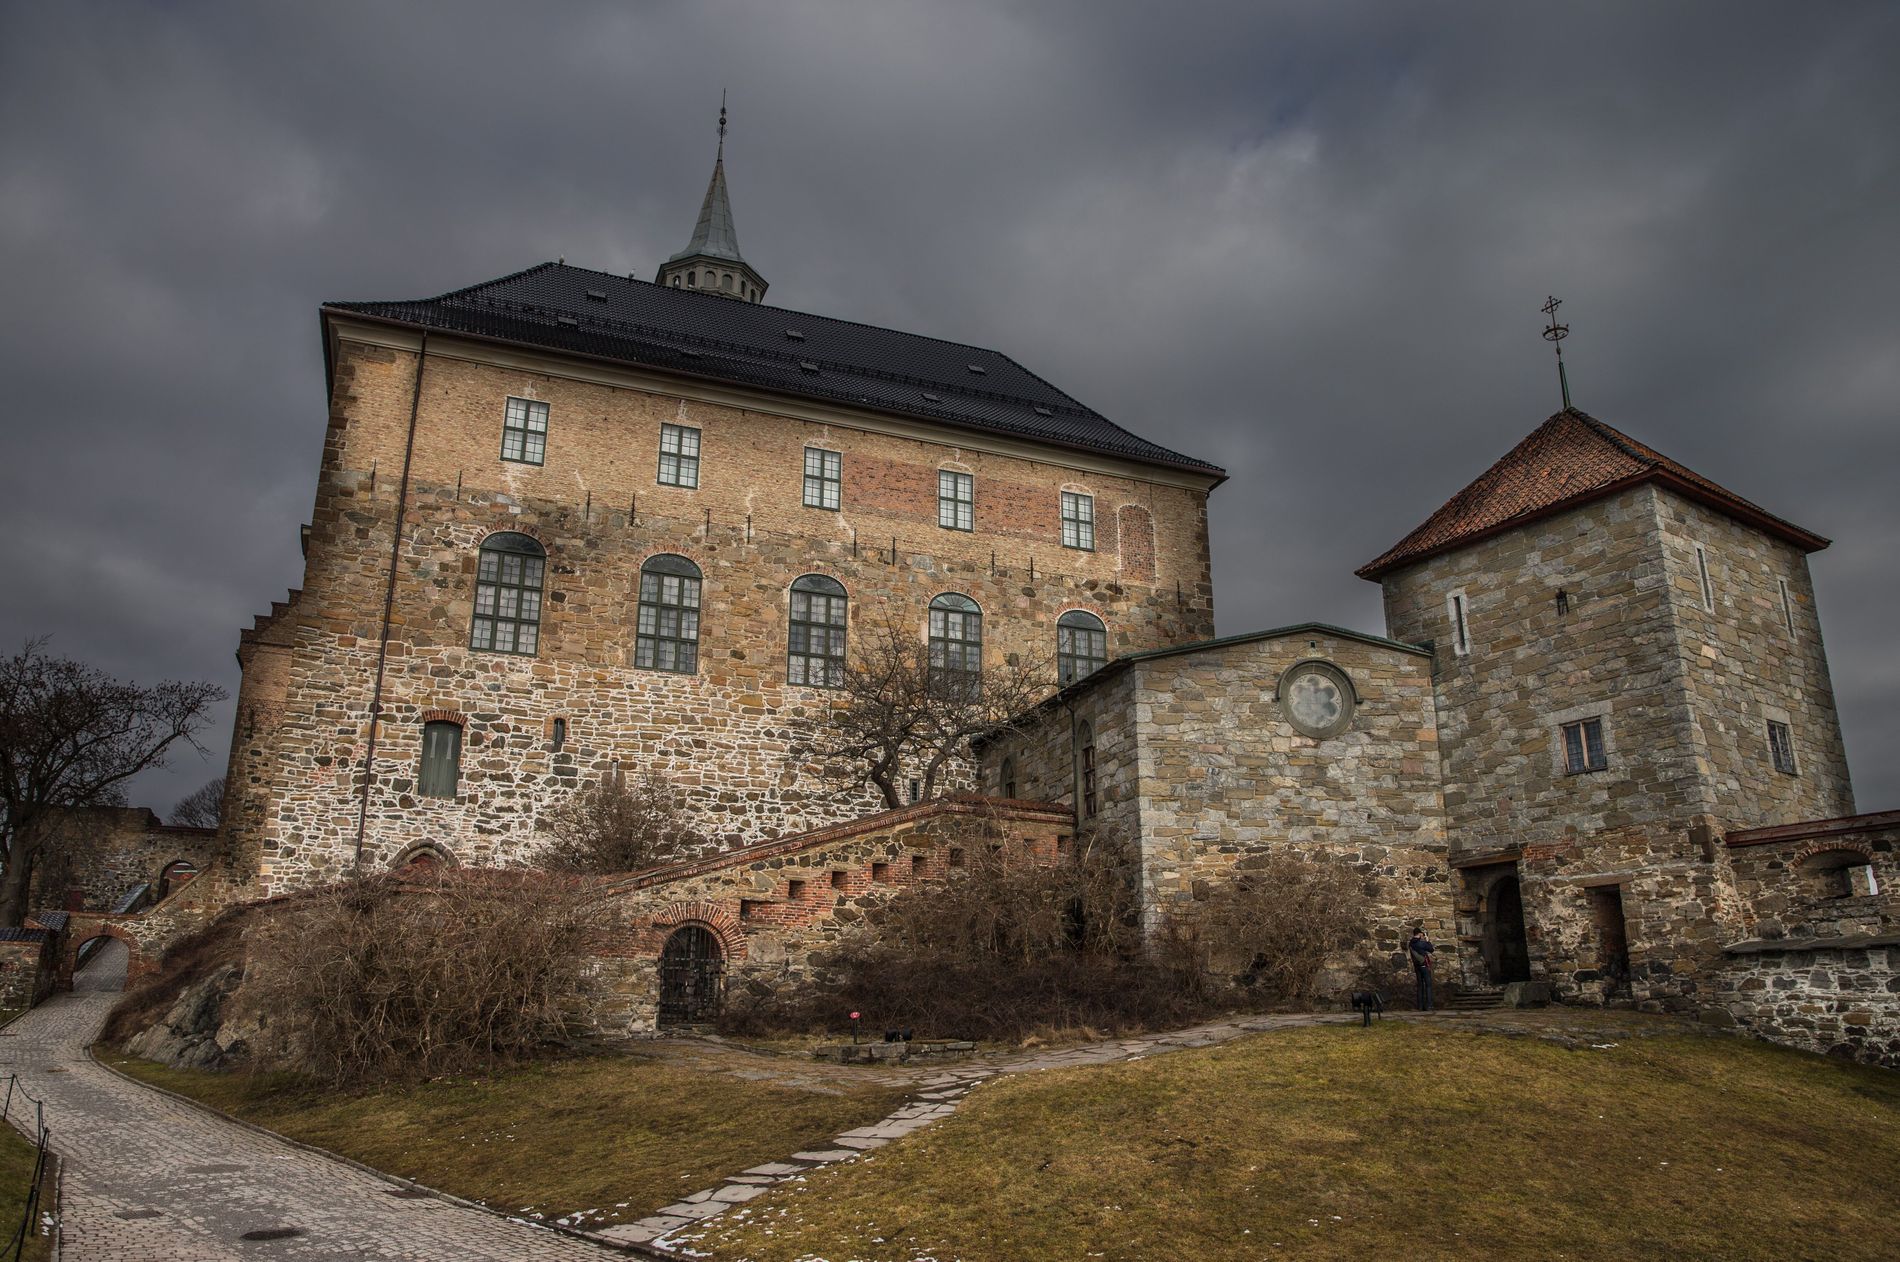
<point>539,464</point>
<point>1586,771</point>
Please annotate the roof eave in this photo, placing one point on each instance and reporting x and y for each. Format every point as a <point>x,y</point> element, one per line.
<point>329,311</point>
<point>1735,507</point>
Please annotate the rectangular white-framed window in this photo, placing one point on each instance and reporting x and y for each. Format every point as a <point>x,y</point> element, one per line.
<point>824,478</point>
<point>524,431</point>
<point>679,456</point>
<point>1781,747</point>
<point>1455,609</point>
<point>1702,575</point>
<point>1787,604</point>
<point>956,500</point>
<point>1583,747</point>
<point>1078,521</point>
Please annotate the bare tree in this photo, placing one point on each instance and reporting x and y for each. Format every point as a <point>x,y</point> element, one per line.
<point>201,807</point>
<point>899,716</point>
<point>71,736</point>
<point>612,825</point>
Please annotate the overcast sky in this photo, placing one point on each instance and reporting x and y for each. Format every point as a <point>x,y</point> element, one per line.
<point>1305,241</point>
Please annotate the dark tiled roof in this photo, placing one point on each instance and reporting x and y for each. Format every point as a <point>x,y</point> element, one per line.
<point>54,920</point>
<point>23,935</point>
<point>679,330</point>
<point>1570,459</point>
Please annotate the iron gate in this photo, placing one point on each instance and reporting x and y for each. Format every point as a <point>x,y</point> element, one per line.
<point>692,976</point>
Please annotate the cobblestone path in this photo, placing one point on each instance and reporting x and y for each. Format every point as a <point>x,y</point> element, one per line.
<point>150,1179</point>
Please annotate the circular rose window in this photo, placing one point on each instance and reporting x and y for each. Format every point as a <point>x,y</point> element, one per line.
<point>1317,699</point>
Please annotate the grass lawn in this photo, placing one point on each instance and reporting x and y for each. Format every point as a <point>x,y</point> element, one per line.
<point>615,1136</point>
<point>1403,1141</point>
<point>17,1158</point>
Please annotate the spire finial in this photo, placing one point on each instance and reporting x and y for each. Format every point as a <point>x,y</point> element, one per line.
<point>1555,333</point>
<point>722,123</point>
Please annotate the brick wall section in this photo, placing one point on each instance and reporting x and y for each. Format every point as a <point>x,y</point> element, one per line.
<point>1196,758</point>
<point>726,735</point>
<point>776,905</point>
<point>1680,694</point>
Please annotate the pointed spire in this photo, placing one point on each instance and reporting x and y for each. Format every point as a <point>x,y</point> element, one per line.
<point>715,240</point>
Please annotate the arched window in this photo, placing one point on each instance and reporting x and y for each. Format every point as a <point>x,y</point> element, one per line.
<point>1009,777</point>
<point>692,280</point>
<point>1081,645</point>
<point>1085,770</point>
<point>725,280</point>
<point>815,652</point>
<point>667,635</point>
<point>508,594</point>
<point>956,639</point>
<point>441,772</point>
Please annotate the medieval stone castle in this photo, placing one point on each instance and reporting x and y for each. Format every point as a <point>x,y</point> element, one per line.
<point>568,522</point>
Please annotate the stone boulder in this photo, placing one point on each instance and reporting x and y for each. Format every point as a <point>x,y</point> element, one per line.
<point>1526,994</point>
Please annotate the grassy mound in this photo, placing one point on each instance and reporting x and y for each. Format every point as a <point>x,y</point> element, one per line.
<point>1412,1141</point>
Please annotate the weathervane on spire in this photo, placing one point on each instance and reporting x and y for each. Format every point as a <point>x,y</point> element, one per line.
<point>722,122</point>
<point>1555,333</point>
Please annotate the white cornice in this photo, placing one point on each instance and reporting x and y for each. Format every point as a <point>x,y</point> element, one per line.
<point>701,390</point>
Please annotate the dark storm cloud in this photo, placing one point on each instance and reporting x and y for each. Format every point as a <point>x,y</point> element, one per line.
<point>1308,242</point>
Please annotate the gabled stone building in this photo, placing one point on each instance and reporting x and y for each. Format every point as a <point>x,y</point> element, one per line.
<point>569,521</point>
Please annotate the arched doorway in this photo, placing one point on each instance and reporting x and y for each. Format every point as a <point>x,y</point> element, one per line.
<point>692,976</point>
<point>1506,954</point>
<point>176,875</point>
<point>101,964</point>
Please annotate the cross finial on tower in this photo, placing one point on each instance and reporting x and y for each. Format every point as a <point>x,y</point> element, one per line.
<point>1555,333</point>
<point>722,122</point>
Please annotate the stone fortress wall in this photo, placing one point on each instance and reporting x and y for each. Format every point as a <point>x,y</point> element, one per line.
<point>1196,761</point>
<point>727,735</point>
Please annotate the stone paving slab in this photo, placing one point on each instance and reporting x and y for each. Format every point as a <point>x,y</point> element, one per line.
<point>152,1179</point>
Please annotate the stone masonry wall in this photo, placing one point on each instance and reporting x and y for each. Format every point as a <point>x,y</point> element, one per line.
<point>110,850</point>
<point>775,906</point>
<point>1197,757</point>
<point>1839,998</point>
<point>727,735</point>
<point>1743,667</point>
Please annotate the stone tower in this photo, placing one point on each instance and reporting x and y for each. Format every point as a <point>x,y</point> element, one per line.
<point>711,260</point>
<point>1628,666</point>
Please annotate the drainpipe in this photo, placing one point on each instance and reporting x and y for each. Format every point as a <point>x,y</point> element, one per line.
<point>389,606</point>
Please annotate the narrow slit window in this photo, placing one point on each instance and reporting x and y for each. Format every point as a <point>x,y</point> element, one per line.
<point>824,478</point>
<point>1009,778</point>
<point>1563,603</point>
<point>1078,521</point>
<point>441,772</point>
<point>1085,768</point>
<point>524,431</point>
<point>1460,632</point>
<point>1781,747</point>
<point>1702,572</point>
<point>558,735</point>
<point>679,456</point>
<point>1583,747</point>
<point>956,500</point>
<point>1787,605</point>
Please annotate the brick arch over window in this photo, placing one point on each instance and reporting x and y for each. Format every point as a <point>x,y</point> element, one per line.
<point>723,924</point>
<point>1860,850</point>
<point>424,854</point>
<point>1135,536</point>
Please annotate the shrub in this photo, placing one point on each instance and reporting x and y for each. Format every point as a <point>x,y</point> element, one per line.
<point>421,974</point>
<point>1005,948</point>
<point>612,825</point>
<point>1274,926</point>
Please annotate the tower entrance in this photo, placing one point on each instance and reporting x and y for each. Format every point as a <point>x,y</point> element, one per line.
<point>1506,951</point>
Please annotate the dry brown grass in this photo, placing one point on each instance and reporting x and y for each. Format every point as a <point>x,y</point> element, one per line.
<point>608,1138</point>
<point>1403,1141</point>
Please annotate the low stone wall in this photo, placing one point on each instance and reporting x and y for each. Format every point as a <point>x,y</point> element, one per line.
<point>93,856</point>
<point>26,967</point>
<point>1839,996</point>
<point>774,905</point>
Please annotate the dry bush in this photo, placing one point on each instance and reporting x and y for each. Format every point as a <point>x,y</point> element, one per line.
<point>416,975</point>
<point>1274,926</point>
<point>1005,948</point>
<point>614,825</point>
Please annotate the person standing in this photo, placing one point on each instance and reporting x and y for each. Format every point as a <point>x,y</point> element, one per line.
<point>1420,951</point>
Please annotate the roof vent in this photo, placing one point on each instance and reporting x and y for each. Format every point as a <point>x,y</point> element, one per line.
<point>933,398</point>
<point>794,335</point>
<point>979,370</point>
<point>566,320</point>
<point>1042,411</point>
<point>598,295</point>
<point>807,365</point>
